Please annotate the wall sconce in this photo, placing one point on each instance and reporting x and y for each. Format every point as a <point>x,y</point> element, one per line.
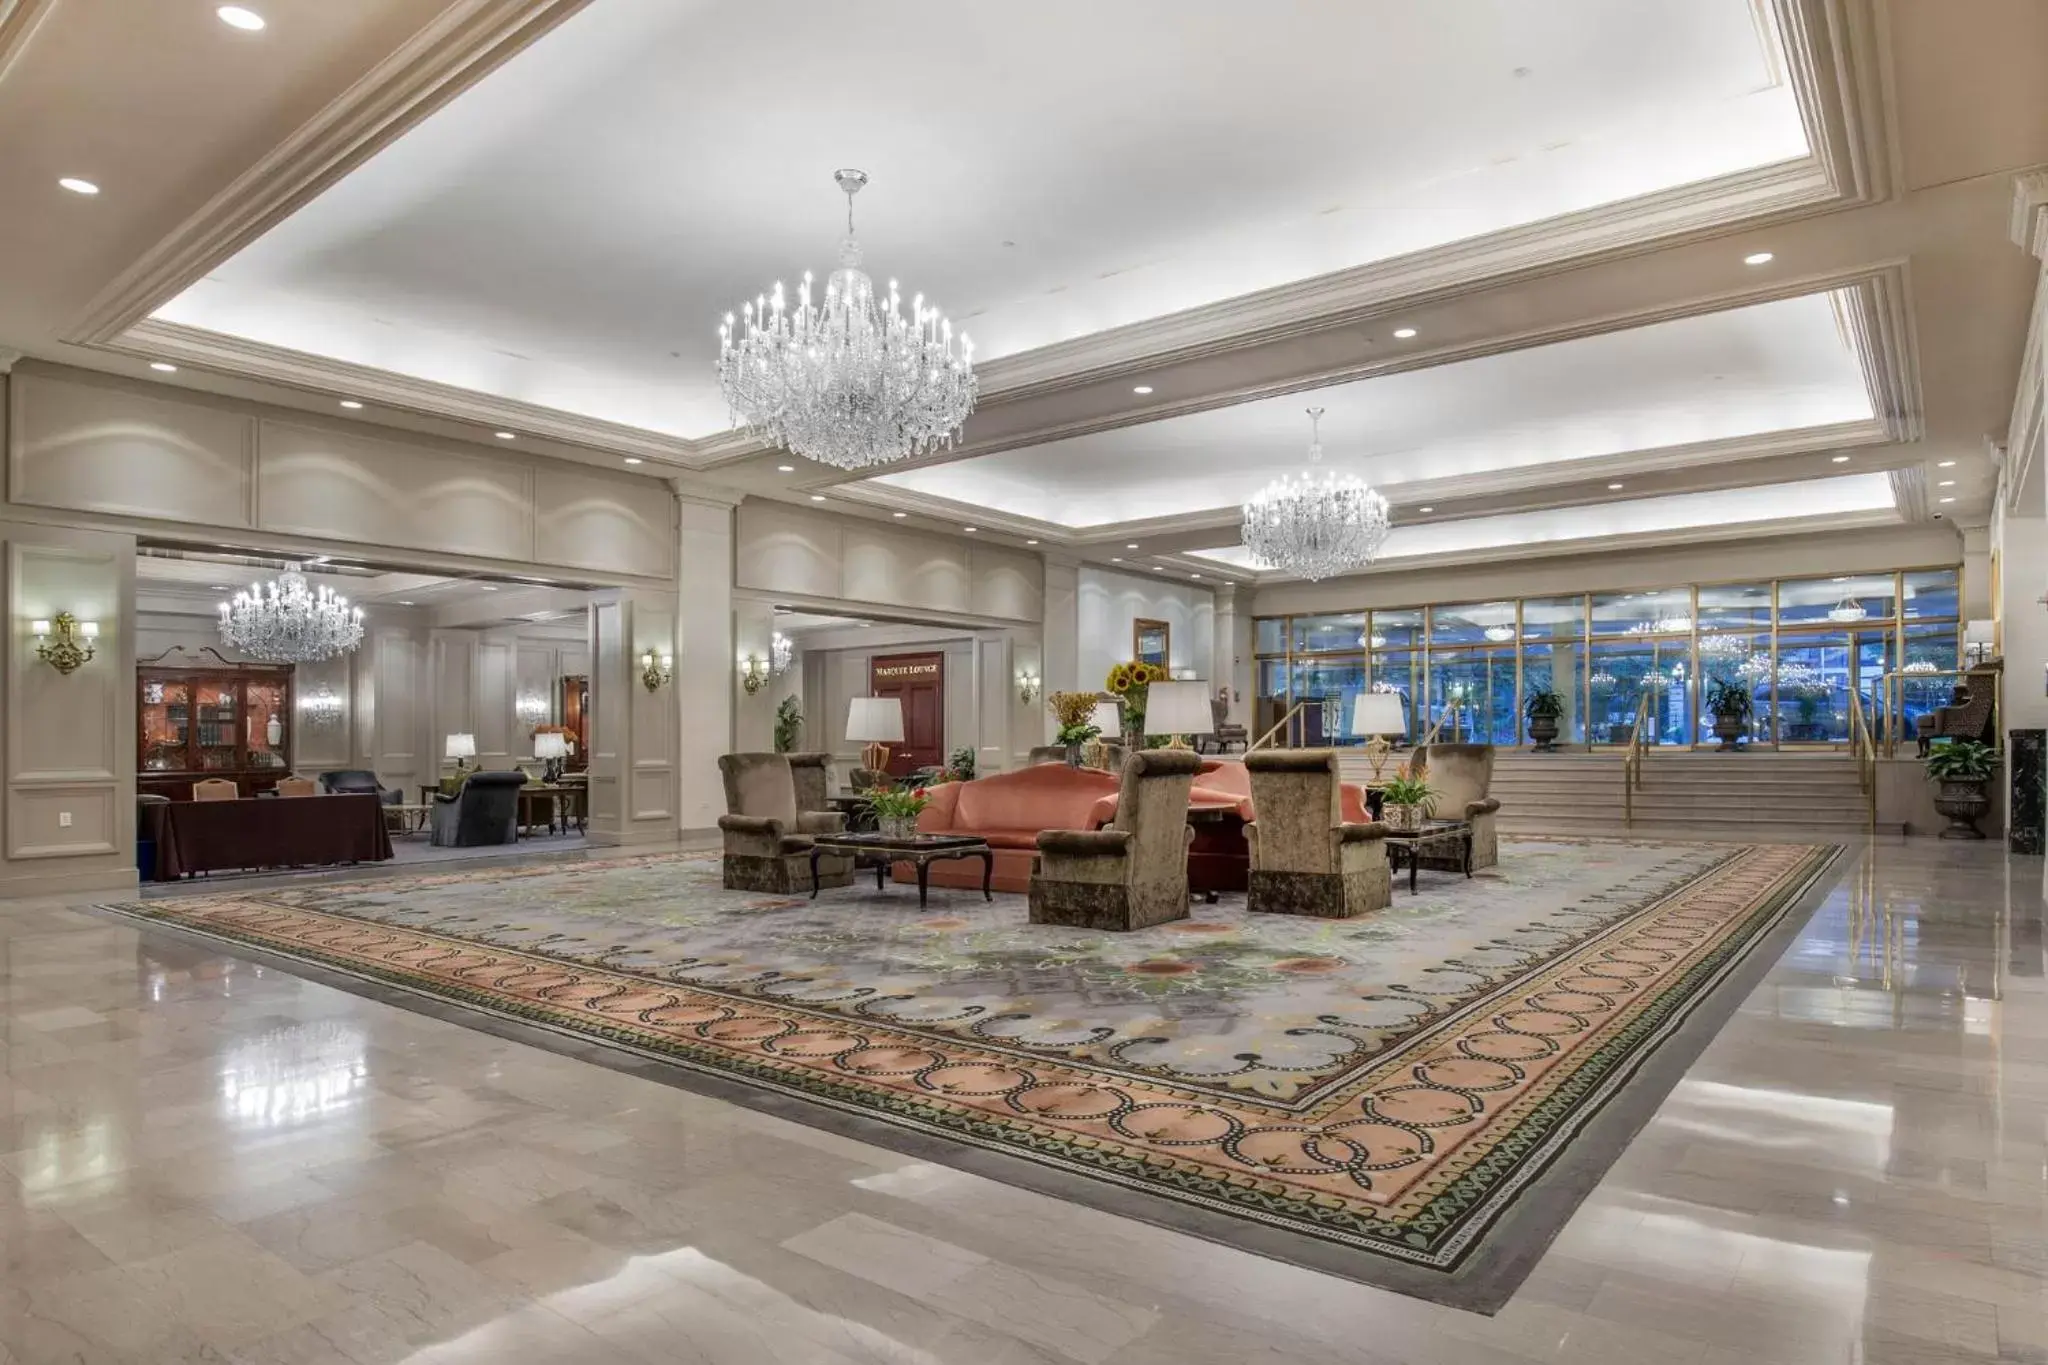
<point>753,673</point>
<point>656,669</point>
<point>532,709</point>
<point>781,654</point>
<point>322,708</point>
<point>1027,687</point>
<point>73,645</point>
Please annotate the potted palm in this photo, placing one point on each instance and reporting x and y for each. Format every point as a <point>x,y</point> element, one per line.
<point>1543,707</point>
<point>1731,706</point>
<point>1961,770</point>
<point>1406,801</point>
<point>789,725</point>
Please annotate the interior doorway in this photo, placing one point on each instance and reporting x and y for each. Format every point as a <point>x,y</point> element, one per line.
<point>918,681</point>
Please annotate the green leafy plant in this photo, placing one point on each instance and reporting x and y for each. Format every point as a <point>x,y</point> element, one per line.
<point>1409,790</point>
<point>961,764</point>
<point>1076,711</point>
<point>1962,760</point>
<point>898,802</point>
<point>789,724</point>
<point>1729,699</point>
<point>1543,703</point>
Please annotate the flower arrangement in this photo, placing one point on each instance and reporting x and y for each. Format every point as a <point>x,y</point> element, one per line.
<point>896,809</point>
<point>1406,799</point>
<point>1131,682</point>
<point>1076,714</point>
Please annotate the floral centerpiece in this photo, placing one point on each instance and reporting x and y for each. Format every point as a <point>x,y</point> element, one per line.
<point>897,808</point>
<point>1131,682</point>
<point>1075,712</point>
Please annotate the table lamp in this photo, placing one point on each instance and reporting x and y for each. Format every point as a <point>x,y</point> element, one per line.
<point>1378,715</point>
<point>551,749</point>
<point>876,723</point>
<point>460,748</point>
<point>1178,709</point>
<point>1979,637</point>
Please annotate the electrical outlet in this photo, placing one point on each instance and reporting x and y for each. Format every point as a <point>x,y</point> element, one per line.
<point>63,819</point>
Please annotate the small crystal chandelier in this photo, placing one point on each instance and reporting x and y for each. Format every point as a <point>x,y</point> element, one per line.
<point>852,382</point>
<point>1317,523</point>
<point>322,708</point>
<point>1847,610</point>
<point>1497,634</point>
<point>288,621</point>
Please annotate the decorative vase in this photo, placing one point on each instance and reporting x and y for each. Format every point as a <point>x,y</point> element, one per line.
<point>1404,818</point>
<point>1729,730</point>
<point>1964,803</point>
<point>273,732</point>
<point>1543,733</point>
<point>898,826</point>
<point>1074,753</point>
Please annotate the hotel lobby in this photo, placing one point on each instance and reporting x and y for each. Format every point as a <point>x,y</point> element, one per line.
<point>1156,683</point>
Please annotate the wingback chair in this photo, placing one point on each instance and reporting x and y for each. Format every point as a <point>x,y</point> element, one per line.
<point>768,832</point>
<point>1460,775</point>
<point>1969,712</point>
<point>1130,874</point>
<point>1306,858</point>
<point>484,812</point>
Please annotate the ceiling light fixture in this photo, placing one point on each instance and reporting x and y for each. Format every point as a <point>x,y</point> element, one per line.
<point>163,366</point>
<point>1945,464</point>
<point>1132,546</point>
<point>632,459</point>
<point>234,16</point>
<point>1425,509</point>
<point>288,621</point>
<point>1758,258</point>
<point>1142,388</point>
<point>1840,459</point>
<point>1030,542</point>
<point>1403,333</point>
<point>817,497</point>
<point>899,515</point>
<point>1947,500</point>
<point>350,403</point>
<point>970,530</point>
<point>1499,633</point>
<point>1318,523</point>
<point>77,186</point>
<point>785,469</point>
<point>851,382</point>
<point>507,436</point>
<point>1946,483</point>
<point>1847,610</point>
<point>1615,487</point>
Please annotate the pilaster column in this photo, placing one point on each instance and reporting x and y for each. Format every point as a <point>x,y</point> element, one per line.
<point>706,654</point>
<point>753,632</point>
<point>1061,645</point>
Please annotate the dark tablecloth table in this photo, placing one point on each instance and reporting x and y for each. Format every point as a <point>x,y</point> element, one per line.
<point>279,831</point>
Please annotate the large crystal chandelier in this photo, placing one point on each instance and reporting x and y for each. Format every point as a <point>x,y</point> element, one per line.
<point>1318,523</point>
<point>851,382</point>
<point>288,621</point>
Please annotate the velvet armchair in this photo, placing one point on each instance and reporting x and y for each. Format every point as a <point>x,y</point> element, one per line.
<point>1459,775</point>
<point>1132,873</point>
<point>767,832</point>
<point>1307,859</point>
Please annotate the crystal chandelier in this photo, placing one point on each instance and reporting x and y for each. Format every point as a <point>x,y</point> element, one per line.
<point>852,382</point>
<point>780,654</point>
<point>1315,524</point>
<point>1499,633</point>
<point>288,621</point>
<point>1847,610</point>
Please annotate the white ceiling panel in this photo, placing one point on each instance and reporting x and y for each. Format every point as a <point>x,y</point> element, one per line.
<point>568,232</point>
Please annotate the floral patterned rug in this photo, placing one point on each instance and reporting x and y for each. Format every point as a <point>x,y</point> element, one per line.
<point>1383,1089</point>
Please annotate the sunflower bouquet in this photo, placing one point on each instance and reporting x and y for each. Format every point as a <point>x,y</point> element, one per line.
<point>1131,682</point>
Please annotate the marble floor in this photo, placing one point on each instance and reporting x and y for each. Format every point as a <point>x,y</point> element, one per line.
<point>202,1159</point>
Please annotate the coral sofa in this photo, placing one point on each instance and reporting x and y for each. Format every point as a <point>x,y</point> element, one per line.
<point>1009,810</point>
<point>1220,781</point>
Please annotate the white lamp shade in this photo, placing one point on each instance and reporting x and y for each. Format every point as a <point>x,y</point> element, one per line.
<point>550,746</point>
<point>1378,713</point>
<point>1108,718</point>
<point>1178,708</point>
<point>874,720</point>
<point>1980,632</point>
<point>460,746</point>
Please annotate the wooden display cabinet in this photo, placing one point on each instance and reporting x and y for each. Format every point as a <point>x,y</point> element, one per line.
<point>194,724</point>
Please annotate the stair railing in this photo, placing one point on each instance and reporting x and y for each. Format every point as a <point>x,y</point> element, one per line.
<point>1632,764</point>
<point>1281,725</point>
<point>1865,747</point>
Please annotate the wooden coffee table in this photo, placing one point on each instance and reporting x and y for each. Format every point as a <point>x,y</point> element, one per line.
<point>881,851</point>
<point>1410,843</point>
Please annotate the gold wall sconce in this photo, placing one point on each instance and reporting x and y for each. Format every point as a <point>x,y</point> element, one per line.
<point>656,669</point>
<point>72,645</point>
<point>1027,687</point>
<point>753,673</point>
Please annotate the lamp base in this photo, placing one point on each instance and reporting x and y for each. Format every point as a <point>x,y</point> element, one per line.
<point>875,757</point>
<point>1377,749</point>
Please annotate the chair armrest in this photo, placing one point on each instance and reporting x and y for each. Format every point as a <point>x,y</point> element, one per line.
<point>1360,834</point>
<point>1079,843</point>
<point>446,798</point>
<point>820,822</point>
<point>748,824</point>
<point>1484,806</point>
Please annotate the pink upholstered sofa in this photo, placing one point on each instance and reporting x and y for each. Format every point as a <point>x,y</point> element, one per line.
<point>1009,809</point>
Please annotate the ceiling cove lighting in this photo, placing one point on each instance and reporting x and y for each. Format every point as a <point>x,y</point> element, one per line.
<point>77,186</point>
<point>851,382</point>
<point>234,16</point>
<point>1318,523</point>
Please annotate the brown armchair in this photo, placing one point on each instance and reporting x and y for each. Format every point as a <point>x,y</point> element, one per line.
<point>768,831</point>
<point>1306,858</point>
<point>1459,775</point>
<point>1133,873</point>
<point>1969,714</point>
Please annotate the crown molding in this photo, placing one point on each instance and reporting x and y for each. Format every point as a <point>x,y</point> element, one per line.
<point>464,43</point>
<point>7,359</point>
<point>2029,225</point>
<point>18,22</point>
<point>1877,315</point>
<point>1909,493</point>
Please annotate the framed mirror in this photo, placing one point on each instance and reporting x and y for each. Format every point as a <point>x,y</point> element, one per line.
<point>1151,641</point>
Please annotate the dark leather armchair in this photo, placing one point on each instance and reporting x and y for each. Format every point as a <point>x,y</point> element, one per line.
<point>484,812</point>
<point>349,780</point>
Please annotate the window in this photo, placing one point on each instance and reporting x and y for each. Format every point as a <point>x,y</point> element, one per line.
<point>1735,606</point>
<point>1323,634</point>
<point>1931,593</point>
<point>1472,624</point>
<point>1396,629</point>
<point>1658,611</point>
<point>1554,618</point>
<point>1843,600</point>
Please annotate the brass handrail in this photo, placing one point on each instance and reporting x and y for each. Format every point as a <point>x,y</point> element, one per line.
<point>1292,712</point>
<point>1866,757</point>
<point>1632,764</point>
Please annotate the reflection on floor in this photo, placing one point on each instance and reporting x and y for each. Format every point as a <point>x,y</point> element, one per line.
<point>207,1160</point>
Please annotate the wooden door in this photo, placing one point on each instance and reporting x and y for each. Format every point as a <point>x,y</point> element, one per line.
<point>918,681</point>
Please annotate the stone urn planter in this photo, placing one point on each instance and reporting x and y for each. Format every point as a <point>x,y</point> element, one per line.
<point>1729,730</point>
<point>1961,770</point>
<point>1543,733</point>
<point>1543,707</point>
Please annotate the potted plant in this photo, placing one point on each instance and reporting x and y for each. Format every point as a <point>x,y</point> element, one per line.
<point>1543,706</point>
<point>1731,706</point>
<point>961,764</point>
<point>897,808</point>
<point>1076,714</point>
<point>789,724</point>
<point>1962,770</point>
<point>1406,800</point>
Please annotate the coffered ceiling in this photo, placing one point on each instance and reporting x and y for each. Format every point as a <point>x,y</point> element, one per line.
<point>1518,253</point>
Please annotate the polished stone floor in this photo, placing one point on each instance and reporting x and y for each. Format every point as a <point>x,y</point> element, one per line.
<point>206,1160</point>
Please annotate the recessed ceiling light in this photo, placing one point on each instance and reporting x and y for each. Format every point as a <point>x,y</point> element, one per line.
<point>405,601</point>
<point>1948,499</point>
<point>1132,546</point>
<point>1142,388</point>
<point>1841,459</point>
<point>164,366</point>
<point>1945,464</point>
<point>632,459</point>
<point>970,530</point>
<point>817,497</point>
<point>234,16</point>
<point>507,436</point>
<point>1757,258</point>
<point>1194,575</point>
<point>218,587</point>
<point>487,587</point>
<point>785,469</point>
<point>1946,483</point>
<point>899,515</point>
<point>1614,487</point>
<point>1425,509</point>
<point>351,403</point>
<point>1030,542</point>
<point>77,186</point>
<point>1116,559</point>
<point>1403,333</point>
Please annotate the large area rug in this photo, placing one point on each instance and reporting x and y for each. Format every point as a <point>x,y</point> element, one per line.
<point>1372,1096</point>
